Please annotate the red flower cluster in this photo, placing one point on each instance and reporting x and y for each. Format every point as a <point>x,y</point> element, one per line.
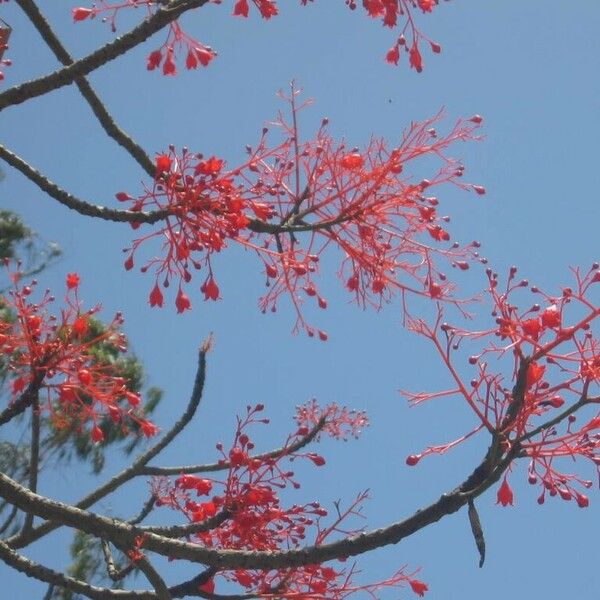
<point>290,202</point>
<point>553,371</point>
<point>55,355</point>
<point>393,13</point>
<point>255,519</point>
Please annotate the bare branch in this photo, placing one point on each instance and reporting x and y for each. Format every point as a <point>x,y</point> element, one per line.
<point>9,519</point>
<point>34,456</point>
<point>146,510</point>
<point>108,124</point>
<point>221,466</point>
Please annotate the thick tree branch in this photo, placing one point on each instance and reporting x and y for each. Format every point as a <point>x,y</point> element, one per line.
<point>223,465</point>
<point>121,533</point>
<point>56,578</point>
<point>101,56</point>
<point>108,124</point>
<point>70,201</point>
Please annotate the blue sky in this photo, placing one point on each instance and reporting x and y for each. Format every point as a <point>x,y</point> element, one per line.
<point>528,68</point>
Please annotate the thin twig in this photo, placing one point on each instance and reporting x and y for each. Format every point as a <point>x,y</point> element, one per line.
<point>176,531</point>
<point>223,465</point>
<point>146,510</point>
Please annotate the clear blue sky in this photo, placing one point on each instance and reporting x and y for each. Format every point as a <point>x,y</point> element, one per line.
<point>530,68</point>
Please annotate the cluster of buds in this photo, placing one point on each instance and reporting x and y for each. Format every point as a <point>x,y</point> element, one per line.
<point>243,511</point>
<point>535,368</point>
<point>395,14</point>
<point>291,202</point>
<point>53,357</point>
<point>176,41</point>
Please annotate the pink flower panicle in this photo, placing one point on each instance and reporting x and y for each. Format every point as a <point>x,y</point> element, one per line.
<point>340,421</point>
<point>394,14</point>
<point>58,351</point>
<point>551,352</point>
<point>257,519</point>
<point>290,202</point>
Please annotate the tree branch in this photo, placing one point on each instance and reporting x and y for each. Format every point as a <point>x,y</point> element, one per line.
<point>66,199</point>
<point>98,58</point>
<point>112,484</point>
<point>34,457</point>
<point>223,465</point>
<point>108,124</point>
<point>89,209</point>
<point>146,510</point>
<point>25,400</point>
<point>175,531</point>
<point>121,533</point>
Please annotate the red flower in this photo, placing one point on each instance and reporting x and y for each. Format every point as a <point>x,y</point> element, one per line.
<point>163,163</point>
<point>212,166</point>
<point>534,373</point>
<point>352,161</point>
<point>437,233</point>
<point>532,328</point>
<point>80,326</point>
<point>267,9</point>
<point>81,14</point>
<point>148,429</point>
<point>97,434</point>
<point>393,55</point>
<point>435,290</point>
<point>72,280</point>
<point>426,5</point>
<point>191,62</point>
<point>156,297</point>
<point>154,59</point>
<point>211,289</point>
<point>182,302</point>
<point>505,494</point>
<point>205,55</point>
<point>241,8</point>
<point>169,67</point>
<point>551,317</point>
<point>418,587</point>
<point>416,62</point>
